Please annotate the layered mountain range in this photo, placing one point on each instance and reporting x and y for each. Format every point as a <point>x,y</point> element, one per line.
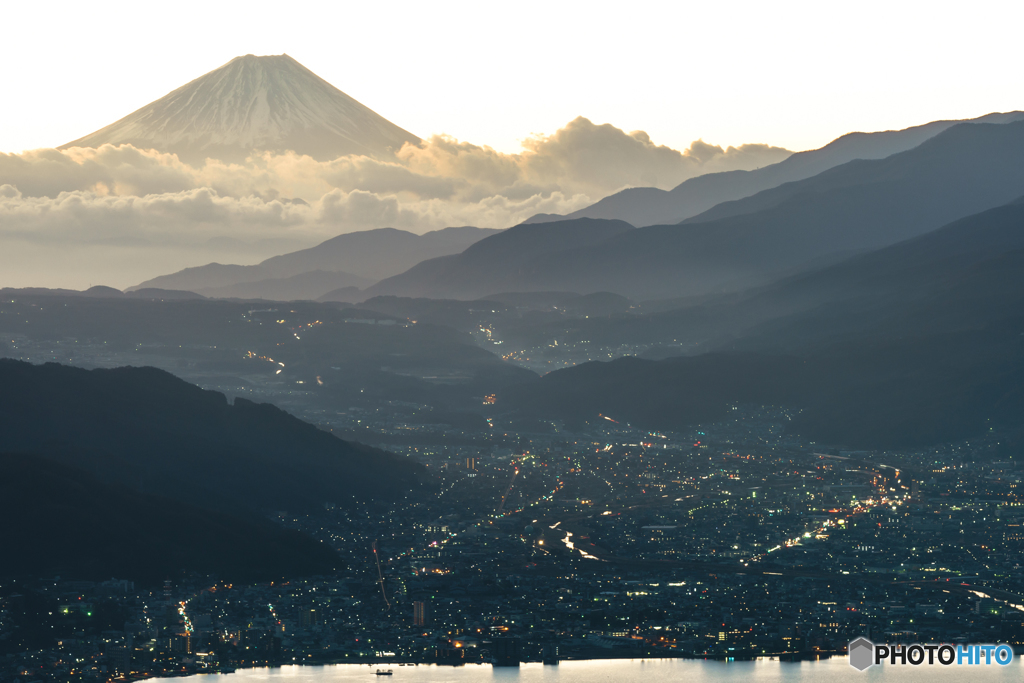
<point>643,206</point>
<point>919,342</point>
<point>714,233</point>
<point>333,270</point>
<point>858,206</point>
<point>884,261</point>
<point>955,169</point>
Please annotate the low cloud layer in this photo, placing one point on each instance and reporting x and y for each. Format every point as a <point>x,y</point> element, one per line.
<point>144,199</point>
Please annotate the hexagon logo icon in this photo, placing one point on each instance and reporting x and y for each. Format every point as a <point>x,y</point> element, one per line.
<point>862,654</point>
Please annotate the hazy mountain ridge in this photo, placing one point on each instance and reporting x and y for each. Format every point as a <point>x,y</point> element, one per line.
<point>782,315</point>
<point>952,273</point>
<point>977,148</point>
<point>310,286</point>
<point>645,206</point>
<point>104,292</point>
<point>497,263</point>
<point>859,206</point>
<point>356,258</point>
<point>916,343</point>
<point>375,254</point>
<point>269,103</point>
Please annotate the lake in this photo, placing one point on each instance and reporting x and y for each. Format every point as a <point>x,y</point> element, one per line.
<point>835,670</point>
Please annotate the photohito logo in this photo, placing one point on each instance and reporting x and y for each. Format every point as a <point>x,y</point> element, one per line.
<point>864,654</point>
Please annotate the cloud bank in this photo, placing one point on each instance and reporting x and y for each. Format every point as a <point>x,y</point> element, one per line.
<point>138,199</point>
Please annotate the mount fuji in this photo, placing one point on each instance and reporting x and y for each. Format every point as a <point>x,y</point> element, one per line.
<point>253,104</point>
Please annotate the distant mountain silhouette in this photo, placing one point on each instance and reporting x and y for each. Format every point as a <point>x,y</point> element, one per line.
<point>858,295</point>
<point>957,277</point>
<point>643,206</point>
<point>104,292</point>
<point>914,344</point>
<point>498,263</point>
<point>799,226</point>
<point>146,429</point>
<point>342,295</point>
<point>356,259</point>
<point>162,294</point>
<point>310,286</point>
<point>254,104</point>
<point>95,530</point>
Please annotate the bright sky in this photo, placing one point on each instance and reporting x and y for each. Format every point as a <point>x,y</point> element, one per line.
<point>792,74</point>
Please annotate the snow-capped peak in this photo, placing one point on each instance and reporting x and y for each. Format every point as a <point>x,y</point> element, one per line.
<point>252,104</point>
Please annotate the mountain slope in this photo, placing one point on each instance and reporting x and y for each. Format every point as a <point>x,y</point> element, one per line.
<point>957,277</point>
<point>308,286</point>
<point>376,254</point>
<point>496,264</point>
<point>89,535</point>
<point>914,344</point>
<point>796,227</point>
<point>146,429</point>
<point>269,103</point>
<point>774,315</point>
<point>643,206</point>
<point>367,256</point>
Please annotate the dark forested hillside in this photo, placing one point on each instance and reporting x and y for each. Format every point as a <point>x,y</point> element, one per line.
<point>144,428</point>
<point>60,520</point>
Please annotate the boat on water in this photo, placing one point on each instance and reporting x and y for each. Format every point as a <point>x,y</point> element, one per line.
<point>381,672</point>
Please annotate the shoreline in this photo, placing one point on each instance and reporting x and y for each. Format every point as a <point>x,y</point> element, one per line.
<point>793,658</point>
